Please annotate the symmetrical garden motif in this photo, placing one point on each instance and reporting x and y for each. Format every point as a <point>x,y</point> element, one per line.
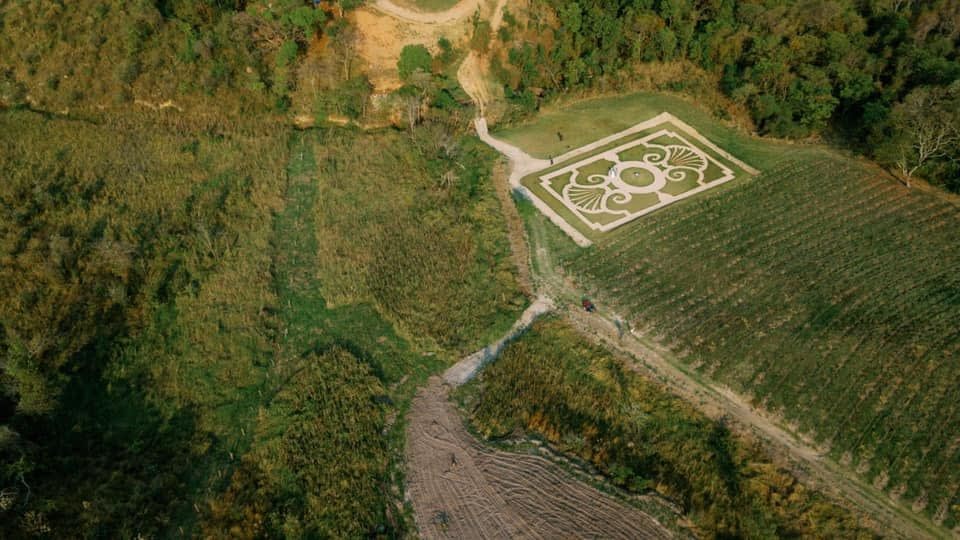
<point>615,186</point>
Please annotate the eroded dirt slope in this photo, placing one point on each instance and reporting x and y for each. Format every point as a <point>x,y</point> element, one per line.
<point>462,489</point>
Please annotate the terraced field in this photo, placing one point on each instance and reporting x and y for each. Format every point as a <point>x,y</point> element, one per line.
<point>827,292</point>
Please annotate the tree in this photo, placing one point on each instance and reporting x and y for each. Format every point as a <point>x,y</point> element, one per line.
<point>347,45</point>
<point>413,94</point>
<point>412,59</point>
<point>926,129</point>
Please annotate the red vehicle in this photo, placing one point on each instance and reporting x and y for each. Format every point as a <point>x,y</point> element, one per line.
<point>588,305</point>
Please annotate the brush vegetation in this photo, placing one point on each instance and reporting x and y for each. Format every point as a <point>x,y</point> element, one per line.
<point>169,357</point>
<point>551,384</point>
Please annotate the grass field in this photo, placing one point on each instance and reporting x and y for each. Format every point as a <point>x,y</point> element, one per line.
<point>177,268</point>
<point>433,258</point>
<point>582,122</point>
<point>349,366</point>
<point>822,289</point>
<point>552,384</point>
<point>427,5</point>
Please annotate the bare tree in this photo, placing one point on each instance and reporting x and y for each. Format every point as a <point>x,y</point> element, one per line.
<point>927,122</point>
<point>347,45</point>
<point>421,86</point>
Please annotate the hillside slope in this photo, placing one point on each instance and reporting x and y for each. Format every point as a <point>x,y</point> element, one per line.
<point>828,293</point>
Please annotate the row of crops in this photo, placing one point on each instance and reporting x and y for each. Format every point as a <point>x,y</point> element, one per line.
<point>826,292</point>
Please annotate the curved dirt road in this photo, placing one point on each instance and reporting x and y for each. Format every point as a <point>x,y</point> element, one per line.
<point>463,9</point>
<point>465,369</point>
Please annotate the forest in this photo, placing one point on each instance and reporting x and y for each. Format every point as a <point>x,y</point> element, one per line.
<point>878,76</point>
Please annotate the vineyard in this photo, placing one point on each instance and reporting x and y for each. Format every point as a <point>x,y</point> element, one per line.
<point>824,291</point>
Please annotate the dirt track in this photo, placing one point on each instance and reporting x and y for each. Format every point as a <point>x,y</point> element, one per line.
<point>463,489</point>
<point>461,10</point>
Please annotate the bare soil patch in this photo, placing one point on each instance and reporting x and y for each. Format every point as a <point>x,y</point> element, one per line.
<point>463,489</point>
<point>382,36</point>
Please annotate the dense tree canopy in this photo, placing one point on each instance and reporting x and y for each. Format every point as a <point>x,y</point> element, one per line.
<point>801,67</point>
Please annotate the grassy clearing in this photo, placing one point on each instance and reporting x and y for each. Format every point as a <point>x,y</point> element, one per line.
<point>582,122</point>
<point>552,384</point>
<point>416,230</point>
<point>427,5</point>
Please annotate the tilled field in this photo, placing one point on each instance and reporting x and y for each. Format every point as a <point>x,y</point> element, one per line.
<point>460,488</point>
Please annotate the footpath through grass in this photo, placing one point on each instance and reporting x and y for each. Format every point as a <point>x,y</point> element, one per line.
<point>309,322</point>
<point>326,459</point>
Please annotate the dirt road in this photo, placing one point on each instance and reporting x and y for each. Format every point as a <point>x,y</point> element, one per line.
<point>462,10</point>
<point>465,369</point>
<point>460,488</point>
<point>463,489</point>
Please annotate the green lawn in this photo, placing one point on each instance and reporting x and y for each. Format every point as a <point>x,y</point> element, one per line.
<point>578,188</point>
<point>583,122</point>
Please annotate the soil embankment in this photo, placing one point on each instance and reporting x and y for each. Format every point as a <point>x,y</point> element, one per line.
<point>461,488</point>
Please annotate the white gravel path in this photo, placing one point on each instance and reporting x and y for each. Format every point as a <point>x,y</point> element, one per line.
<point>466,369</point>
<point>522,164</point>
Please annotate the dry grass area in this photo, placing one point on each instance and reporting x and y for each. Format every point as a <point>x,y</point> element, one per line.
<point>426,5</point>
<point>462,489</point>
<point>382,37</point>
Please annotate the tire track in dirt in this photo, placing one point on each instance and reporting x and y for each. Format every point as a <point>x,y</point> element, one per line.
<point>462,489</point>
